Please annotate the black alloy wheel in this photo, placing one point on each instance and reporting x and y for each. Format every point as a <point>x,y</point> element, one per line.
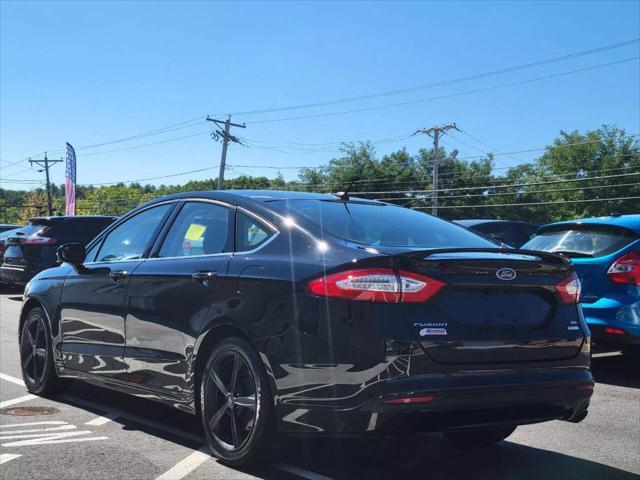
<point>236,409</point>
<point>33,349</point>
<point>36,357</point>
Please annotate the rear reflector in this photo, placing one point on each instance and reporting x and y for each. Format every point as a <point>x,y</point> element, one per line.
<point>614,331</point>
<point>376,285</point>
<point>569,289</point>
<point>626,269</point>
<point>409,400</point>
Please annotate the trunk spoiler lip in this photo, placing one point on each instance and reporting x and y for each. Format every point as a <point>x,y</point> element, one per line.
<point>545,256</point>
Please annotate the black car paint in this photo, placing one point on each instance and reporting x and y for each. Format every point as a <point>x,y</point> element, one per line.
<point>330,362</point>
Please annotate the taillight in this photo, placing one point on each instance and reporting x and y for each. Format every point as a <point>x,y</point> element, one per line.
<point>376,285</point>
<point>613,331</point>
<point>626,269</point>
<point>569,289</point>
<point>38,241</point>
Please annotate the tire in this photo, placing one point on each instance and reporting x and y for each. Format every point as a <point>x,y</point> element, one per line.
<point>239,422</point>
<point>36,356</point>
<point>479,438</point>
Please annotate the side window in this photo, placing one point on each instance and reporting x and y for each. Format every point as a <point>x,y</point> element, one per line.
<point>250,233</point>
<point>91,253</point>
<point>200,228</point>
<point>129,240</point>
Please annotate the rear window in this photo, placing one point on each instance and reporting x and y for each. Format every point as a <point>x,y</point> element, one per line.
<point>9,233</point>
<point>31,229</point>
<point>511,234</point>
<point>77,229</point>
<point>382,225</point>
<point>581,241</point>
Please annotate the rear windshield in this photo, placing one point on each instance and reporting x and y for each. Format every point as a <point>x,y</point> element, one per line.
<point>382,225</point>
<point>580,241</point>
<point>77,229</point>
<point>513,234</point>
<point>31,229</point>
<point>9,233</point>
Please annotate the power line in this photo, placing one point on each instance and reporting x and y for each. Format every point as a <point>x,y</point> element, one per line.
<point>441,82</point>
<point>149,178</point>
<point>441,97</point>
<point>534,203</point>
<point>531,192</point>
<point>489,187</point>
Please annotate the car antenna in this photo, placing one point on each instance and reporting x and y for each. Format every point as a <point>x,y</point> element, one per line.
<point>344,196</point>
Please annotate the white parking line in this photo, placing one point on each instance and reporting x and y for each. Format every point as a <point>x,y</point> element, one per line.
<point>301,472</point>
<point>605,354</point>
<point>186,466</point>
<point>13,401</point>
<point>9,378</point>
<point>96,422</point>
<point>178,471</point>
<point>7,457</point>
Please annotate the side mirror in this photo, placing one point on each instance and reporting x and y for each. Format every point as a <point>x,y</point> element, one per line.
<point>73,253</point>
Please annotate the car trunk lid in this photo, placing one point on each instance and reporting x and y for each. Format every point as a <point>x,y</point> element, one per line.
<point>497,306</point>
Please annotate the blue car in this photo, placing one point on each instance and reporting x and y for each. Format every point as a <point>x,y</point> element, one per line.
<point>606,255</point>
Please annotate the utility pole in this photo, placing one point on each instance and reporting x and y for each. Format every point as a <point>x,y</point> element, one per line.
<point>435,133</point>
<point>45,163</point>
<point>226,138</point>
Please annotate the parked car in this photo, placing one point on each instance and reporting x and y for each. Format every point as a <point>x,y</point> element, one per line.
<point>33,247</point>
<point>512,233</point>
<point>311,314</point>
<point>6,226</point>
<point>3,237</point>
<point>606,255</point>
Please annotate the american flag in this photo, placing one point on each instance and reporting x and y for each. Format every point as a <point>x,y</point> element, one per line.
<point>70,182</point>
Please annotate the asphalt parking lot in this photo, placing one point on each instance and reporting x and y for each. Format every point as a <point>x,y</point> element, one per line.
<point>92,433</point>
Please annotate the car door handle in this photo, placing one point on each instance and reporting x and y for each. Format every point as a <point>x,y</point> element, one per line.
<point>118,275</point>
<point>203,278</point>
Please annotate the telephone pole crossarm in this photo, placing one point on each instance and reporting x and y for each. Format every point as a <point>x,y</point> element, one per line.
<point>46,163</point>
<point>226,138</point>
<point>435,133</point>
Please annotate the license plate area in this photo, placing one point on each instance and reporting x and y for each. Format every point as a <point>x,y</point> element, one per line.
<point>496,309</point>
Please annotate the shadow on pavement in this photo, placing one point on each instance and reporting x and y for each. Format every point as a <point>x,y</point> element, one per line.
<point>434,458</point>
<point>620,370</point>
<point>385,458</point>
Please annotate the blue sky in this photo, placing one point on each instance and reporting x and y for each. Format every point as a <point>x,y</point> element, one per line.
<point>91,72</point>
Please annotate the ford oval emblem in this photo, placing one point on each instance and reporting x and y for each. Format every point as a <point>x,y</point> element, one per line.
<point>506,274</point>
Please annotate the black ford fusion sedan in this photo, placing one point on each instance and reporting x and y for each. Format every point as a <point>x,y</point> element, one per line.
<point>271,313</point>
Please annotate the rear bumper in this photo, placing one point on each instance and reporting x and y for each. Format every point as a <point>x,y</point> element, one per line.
<point>459,401</point>
<point>16,274</point>
<point>621,315</point>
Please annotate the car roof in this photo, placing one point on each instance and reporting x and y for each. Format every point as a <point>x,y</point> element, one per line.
<point>630,222</point>
<point>252,197</point>
<point>471,223</point>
